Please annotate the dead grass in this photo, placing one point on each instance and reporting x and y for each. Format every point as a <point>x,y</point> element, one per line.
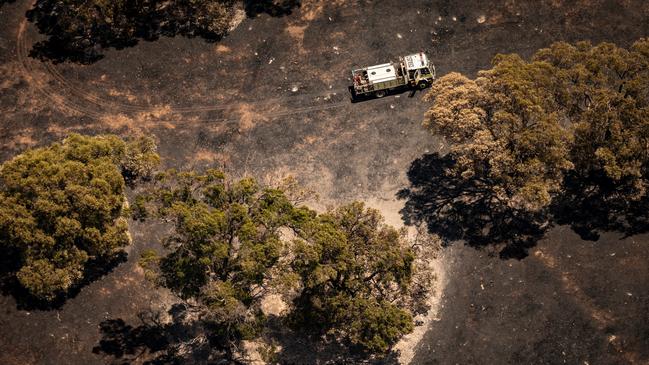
<point>297,33</point>
<point>140,122</point>
<point>122,94</point>
<point>312,9</point>
<point>210,157</point>
<point>22,140</point>
<point>222,49</point>
<point>248,117</point>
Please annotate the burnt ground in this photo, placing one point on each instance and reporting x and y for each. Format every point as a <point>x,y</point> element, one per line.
<point>270,100</point>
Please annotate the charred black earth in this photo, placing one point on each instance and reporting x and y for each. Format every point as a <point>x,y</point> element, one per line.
<point>271,99</point>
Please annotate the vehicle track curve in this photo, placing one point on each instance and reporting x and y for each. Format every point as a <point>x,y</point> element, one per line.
<point>71,97</point>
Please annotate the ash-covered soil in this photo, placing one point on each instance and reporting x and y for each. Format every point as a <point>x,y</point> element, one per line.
<point>270,100</point>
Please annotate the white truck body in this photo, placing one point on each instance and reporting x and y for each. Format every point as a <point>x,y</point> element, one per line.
<point>381,73</point>
<point>412,71</point>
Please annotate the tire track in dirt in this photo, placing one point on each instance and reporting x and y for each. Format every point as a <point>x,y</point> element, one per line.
<point>28,73</point>
<point>75,99</point>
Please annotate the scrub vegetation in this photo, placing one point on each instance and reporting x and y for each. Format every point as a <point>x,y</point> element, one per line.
<point>78,30</point>
<point>62,209</point>
<point>561,138</point>
<point>348,276</point>
<point>531,142</point>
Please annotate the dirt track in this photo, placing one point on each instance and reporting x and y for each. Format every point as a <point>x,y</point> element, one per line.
<point>232,104</point>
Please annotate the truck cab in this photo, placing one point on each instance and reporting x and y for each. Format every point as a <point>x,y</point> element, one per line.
<point>421,73</point>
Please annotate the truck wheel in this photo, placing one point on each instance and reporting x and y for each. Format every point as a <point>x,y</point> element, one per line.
<point>422,85</point>
<point>352,94</point>
<point>380,93</point>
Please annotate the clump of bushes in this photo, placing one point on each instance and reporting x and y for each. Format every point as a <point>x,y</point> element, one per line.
<point>62,207</point>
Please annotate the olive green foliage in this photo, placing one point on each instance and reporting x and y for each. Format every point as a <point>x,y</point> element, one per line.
<point>138,209</point>
<point>355,272</point>
<point>140,158</point>
<point>520,127</point>
<point>605,100</point>
<point>503,129</point>
<point>235,241</point>
<point>227,238</point>
<point>60,207</point>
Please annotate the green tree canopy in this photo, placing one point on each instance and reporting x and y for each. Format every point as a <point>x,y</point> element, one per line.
<point>562,138</point>
<point>61,207</point>
<point>356,273</point>
<point>226,241</point>
<point>605,100</point>
<point>235,241</point>
<point>502,128</point>
<point>521,126</point>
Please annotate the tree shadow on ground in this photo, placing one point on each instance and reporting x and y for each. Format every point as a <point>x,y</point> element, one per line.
<point>94,270</point>
<point>302,347</point>
<point>459,209</point>
<point>594,204</point>
<point>271,7</point>
<point>84,43</point>
<point>182,339</point>
<point>456,208</point>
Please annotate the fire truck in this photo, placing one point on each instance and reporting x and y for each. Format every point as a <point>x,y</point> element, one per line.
<point>410,72</point>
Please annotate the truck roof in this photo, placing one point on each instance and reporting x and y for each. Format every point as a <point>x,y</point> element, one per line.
<point>381,73</point>
<point>416,61</point>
